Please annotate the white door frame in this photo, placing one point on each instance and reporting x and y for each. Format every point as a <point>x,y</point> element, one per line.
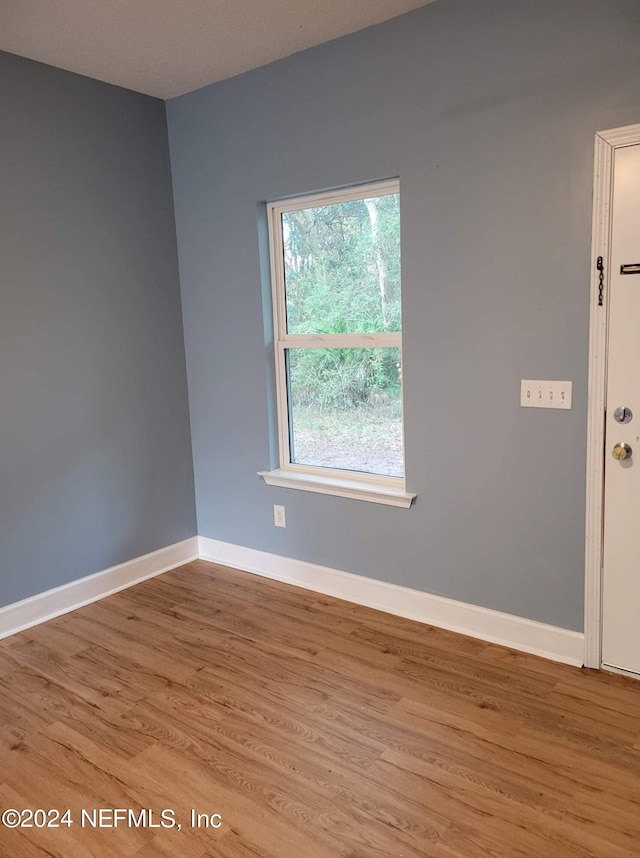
<point>606,144</point>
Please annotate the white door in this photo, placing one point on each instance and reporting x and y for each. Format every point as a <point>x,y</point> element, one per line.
<point>621,569</point>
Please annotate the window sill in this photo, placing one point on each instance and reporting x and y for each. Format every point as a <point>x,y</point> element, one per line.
<point>344,488</point>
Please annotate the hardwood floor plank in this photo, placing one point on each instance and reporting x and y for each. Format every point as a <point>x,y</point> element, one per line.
<point>553,829</point>
<point>315,727</point>
<point>216,733</point>
<point>100,720</point>
<point>7,664</point>
<point>284,715</point>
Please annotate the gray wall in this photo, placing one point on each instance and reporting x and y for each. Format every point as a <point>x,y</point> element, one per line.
<point>487,112</point>
<point>95,458</point>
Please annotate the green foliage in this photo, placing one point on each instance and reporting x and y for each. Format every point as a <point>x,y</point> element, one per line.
<point>342,275</point>
<point>342,267</point>
<point>341,379</point>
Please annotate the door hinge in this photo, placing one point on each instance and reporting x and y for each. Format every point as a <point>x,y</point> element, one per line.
<point>600,269</point>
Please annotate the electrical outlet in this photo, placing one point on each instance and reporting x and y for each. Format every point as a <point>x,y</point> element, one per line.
<point>545,394</point>
<point>278,516</point>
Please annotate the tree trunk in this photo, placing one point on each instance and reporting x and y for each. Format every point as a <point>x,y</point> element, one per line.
<point>381,265</point>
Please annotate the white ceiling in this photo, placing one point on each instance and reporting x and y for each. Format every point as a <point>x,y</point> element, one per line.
<point>168,47</point>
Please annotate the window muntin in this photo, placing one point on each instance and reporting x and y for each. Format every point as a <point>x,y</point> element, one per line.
<point>337,313</point>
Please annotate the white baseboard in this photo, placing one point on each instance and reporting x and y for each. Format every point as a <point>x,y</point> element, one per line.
<point>519,633</point>
<point>52,603</point>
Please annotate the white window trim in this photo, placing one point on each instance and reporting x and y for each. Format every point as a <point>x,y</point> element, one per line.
<point>349,484</point>
<point>375,492</point>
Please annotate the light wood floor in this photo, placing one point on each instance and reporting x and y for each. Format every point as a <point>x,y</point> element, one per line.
<point>315,728</point>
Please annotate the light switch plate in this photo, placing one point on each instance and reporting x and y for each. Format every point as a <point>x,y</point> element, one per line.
<point>546,394</point>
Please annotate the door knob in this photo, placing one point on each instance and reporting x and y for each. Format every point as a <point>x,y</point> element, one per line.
<point>621,451</point>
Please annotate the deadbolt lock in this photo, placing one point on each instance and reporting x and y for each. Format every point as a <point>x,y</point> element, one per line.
<point>623,415</point>
<point>621,451</point>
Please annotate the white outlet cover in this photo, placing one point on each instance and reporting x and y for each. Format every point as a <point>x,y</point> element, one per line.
<point>537,393</point>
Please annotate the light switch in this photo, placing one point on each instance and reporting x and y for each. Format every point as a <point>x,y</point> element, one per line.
<point>545,394</point>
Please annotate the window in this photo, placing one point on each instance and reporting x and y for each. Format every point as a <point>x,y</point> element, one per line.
<point>335,267</point>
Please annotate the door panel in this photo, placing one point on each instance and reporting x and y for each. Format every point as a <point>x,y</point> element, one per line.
<point>621,578</point>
